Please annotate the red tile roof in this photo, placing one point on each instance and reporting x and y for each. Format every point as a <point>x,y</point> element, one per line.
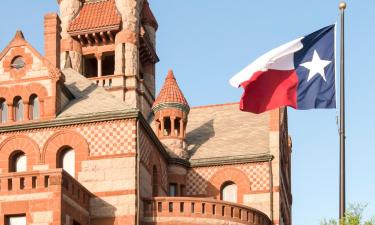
<point>97,15</point>
<point>170,92</point>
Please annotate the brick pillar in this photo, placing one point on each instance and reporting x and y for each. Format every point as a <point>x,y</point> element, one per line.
<point>52,38</point>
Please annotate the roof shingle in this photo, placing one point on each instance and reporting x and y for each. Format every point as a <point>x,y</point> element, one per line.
<point>170,92</point>
<point>95,16</point>
<point>223,131</point>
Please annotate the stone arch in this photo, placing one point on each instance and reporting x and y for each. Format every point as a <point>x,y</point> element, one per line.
<point>6,94</point>
<point>61,140</point>
<point>38,89</point>
<point>23,143</point>
<point>225,175</point>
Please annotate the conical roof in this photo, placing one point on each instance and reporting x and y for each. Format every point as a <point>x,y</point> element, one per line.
<point>171,93</point>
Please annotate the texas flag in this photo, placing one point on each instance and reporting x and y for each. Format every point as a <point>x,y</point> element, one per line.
<point>300,74</point>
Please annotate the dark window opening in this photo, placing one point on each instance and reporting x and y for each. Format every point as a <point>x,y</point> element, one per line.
<point>76,223</point>
<point>90,66</point>
<point>172,189</point>
<point>167,126</point>
<point>108,64</point>
<point>182,190</point>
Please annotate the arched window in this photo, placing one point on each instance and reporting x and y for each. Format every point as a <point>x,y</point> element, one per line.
<point>66,160</point>
<point>34,107</point>
<point>18,108</point>
<point>18,162</point>
<point>3,111</point>
<point>167,126</point>
<point>155,183</point>
<point>228,192</point>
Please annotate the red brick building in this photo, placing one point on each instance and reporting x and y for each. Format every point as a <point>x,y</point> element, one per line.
<point>85,139</point>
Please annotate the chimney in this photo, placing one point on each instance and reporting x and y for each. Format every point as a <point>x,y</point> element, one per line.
<point>52,38</point>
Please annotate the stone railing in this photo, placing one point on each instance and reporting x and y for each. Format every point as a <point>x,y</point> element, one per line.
<point>57,181</point>
<point>175,210</point>
<point>108,81</point>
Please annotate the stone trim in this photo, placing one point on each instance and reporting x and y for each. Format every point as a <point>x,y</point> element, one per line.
<point>73,120</point>
<point>161,106</point>
<point>219,161</point>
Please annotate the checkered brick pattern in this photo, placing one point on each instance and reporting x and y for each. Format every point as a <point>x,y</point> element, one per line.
<point>164,176</point>
<point>3,137</point>
<point>40,137</point>
<point>257,173</point>
<point>110,138</point>
<point>145,147</point>
<point>196,180</point>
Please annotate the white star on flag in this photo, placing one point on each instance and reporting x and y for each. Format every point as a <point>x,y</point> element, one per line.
<point>316,66</point>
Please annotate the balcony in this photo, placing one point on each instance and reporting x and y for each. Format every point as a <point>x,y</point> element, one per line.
<point>176,210</point>
<point>50,190</point>
<point>108,81</point>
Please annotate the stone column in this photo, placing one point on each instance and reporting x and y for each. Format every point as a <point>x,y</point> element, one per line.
<point>99,59</point>
<point>172,119</point>
<point>25,112</point>
<point>162,127</point>
<point>10,112</point>
<point>181,128</point>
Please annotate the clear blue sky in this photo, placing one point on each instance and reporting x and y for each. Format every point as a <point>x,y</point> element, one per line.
<point>206,42</point>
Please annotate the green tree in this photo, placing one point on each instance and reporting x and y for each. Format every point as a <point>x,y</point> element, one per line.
<point>353,216</point>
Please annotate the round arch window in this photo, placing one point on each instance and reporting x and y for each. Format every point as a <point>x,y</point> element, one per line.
<point>18,162</point>
<point>18,63</point>
<point>228,192</point>
<point>66,160</point>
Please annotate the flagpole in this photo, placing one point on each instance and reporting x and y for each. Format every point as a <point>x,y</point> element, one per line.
<point>342,8</point>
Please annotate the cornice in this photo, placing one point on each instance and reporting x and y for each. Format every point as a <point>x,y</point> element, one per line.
<point>73,120</point>
<point>219,161</point>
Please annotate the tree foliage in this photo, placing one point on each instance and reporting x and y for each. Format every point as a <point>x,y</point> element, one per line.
<point>353,216</point>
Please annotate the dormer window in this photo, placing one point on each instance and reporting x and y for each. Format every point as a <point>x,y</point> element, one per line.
<point>18,63</point>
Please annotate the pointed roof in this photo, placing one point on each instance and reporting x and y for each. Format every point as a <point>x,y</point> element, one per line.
<point>18,41</point>
<point>171,92</point>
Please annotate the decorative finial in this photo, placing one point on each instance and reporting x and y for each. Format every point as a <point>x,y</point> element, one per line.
<point>19,35</point>
<point>170,74</point>
<point>342,5</point>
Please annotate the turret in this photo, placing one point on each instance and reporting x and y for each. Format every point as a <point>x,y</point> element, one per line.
<point>171,115</point>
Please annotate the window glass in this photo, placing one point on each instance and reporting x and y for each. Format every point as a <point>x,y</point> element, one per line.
<point>172,189</point>
<point>16,220</point>
<point>229,192</point>
<point>68,161</point>
<point>19,109</point>
<point>4,112</point>
<point>20,163</point>
<point>35,108</point>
